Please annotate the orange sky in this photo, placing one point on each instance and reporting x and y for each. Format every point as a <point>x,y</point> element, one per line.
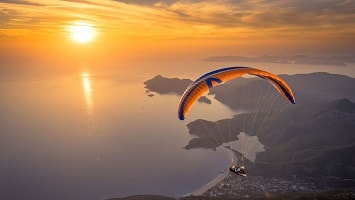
<point>150,30</point>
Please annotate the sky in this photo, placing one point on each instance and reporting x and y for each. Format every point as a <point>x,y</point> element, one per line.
<point>152,31</point>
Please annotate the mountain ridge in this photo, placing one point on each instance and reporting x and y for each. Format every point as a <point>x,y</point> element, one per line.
<point>296,59</point>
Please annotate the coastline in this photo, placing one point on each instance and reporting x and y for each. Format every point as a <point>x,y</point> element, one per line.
<point>218,179</point>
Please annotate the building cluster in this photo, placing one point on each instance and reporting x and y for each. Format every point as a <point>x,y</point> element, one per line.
<point>257,186</point>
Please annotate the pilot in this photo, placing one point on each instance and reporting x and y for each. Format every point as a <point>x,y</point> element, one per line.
<point>239,170</point>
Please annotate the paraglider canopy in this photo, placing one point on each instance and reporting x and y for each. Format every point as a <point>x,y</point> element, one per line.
<point>216,77</point>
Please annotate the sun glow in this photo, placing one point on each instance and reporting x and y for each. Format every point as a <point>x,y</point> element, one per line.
<point>81,32</point>
<point>87,89</point>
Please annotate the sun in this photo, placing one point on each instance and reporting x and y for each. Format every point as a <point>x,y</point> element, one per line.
<point>81,32</point>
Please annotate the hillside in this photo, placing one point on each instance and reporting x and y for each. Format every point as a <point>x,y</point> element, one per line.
<point>317,142</point>
<point>316,136</point>
<point>307,141</point>
<point>314,88</point>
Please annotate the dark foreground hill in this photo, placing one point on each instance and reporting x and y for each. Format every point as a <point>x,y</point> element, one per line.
<point>336,194</point>
<point>258,187</point>
<point>144,197</point>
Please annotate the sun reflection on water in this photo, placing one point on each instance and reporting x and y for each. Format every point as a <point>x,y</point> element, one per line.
<point>87,89</point>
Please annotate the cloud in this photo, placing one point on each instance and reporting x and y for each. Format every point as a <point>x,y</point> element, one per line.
<point>189,18</point>
<point>155,2</point>
<point>221,13</point>
<point>265,14</point>
<point>24,2</point>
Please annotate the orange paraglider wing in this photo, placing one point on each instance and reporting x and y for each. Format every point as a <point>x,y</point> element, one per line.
<point>216,77</point>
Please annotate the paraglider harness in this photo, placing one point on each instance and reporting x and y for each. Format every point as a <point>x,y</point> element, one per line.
<point>239,170</point>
